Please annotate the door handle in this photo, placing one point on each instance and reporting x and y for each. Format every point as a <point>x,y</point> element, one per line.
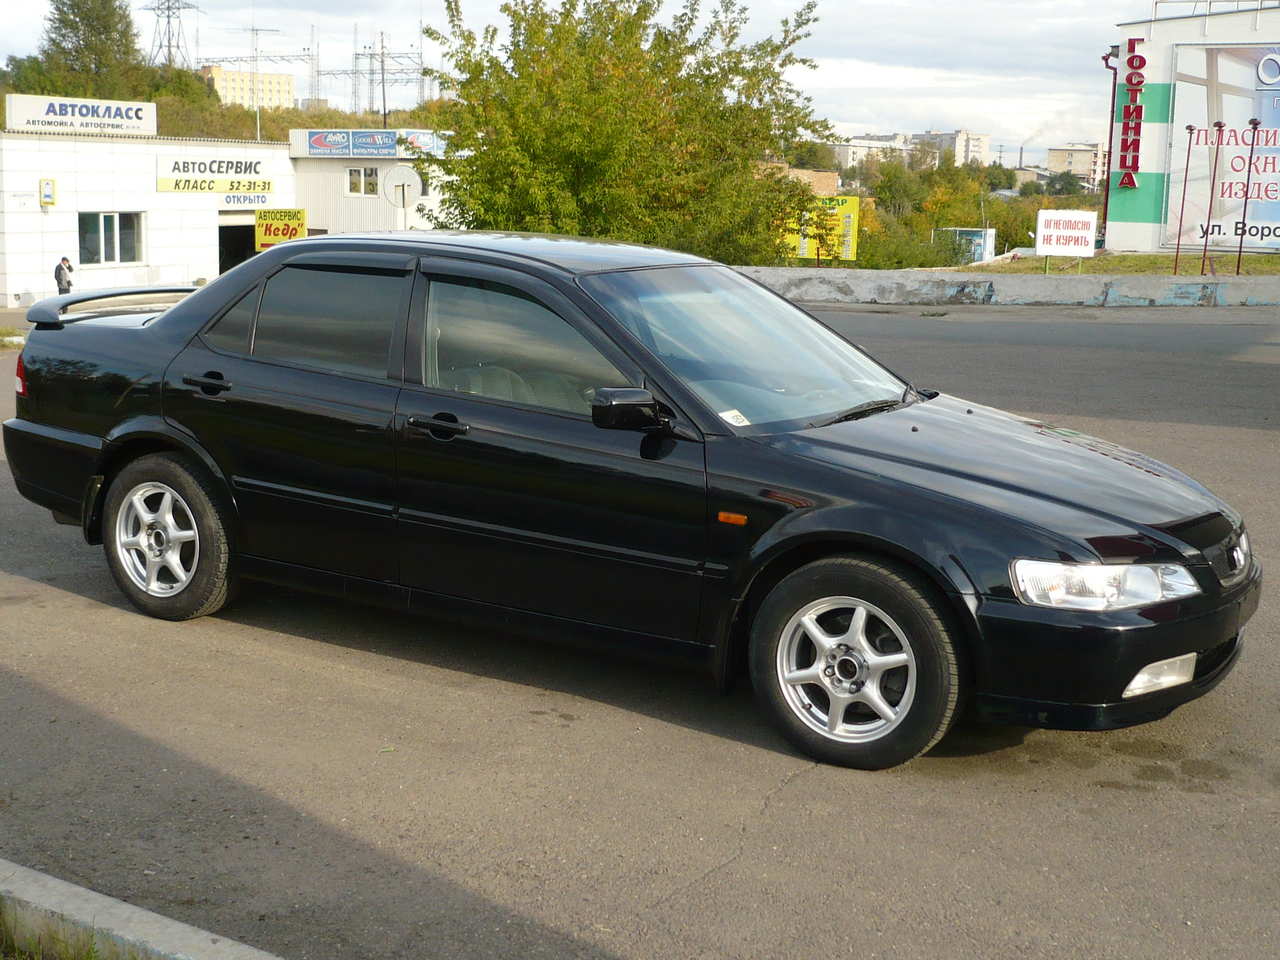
<point>443,426</point>
<point>209,384</point>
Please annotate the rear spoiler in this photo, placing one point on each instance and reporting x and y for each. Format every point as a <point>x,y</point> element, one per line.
<point>47,314</point>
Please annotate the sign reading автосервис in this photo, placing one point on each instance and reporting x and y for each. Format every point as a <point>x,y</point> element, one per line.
<point>78,115</point>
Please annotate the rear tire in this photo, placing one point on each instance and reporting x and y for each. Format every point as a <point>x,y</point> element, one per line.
<point>855,662</point>
<point>165,537</point>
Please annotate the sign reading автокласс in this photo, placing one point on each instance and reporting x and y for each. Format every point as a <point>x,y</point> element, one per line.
<point>78,115</point>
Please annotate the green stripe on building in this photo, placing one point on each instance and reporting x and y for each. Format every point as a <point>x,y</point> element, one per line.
<point>1156,100</point>
<point>1142,205</point>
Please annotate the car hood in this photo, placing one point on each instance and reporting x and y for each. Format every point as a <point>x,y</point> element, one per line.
<point>1011,463</point>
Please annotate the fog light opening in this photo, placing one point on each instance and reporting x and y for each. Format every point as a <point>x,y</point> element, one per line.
<point>1161,675</point>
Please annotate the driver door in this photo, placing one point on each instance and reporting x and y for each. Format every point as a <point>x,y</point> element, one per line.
<point>508,494</point>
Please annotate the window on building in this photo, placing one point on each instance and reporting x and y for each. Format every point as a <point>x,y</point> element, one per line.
<point>333,319</point>
<point>362,181</point>
<point>110,237</point>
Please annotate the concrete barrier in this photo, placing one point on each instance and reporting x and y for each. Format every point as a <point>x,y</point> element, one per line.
<point>941,287</point>
<point>47,916</point>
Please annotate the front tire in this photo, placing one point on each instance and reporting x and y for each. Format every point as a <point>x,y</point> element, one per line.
<point>855,662</point>
<point>165,537</point>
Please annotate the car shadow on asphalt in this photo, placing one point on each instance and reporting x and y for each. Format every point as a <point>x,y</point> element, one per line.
<point>90,801</point>
<point>678,696</point>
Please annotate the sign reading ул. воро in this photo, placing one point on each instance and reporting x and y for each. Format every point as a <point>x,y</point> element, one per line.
<point>78,115</point>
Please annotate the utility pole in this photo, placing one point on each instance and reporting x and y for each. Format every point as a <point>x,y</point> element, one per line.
<point>253,75</point>
<point>382,42</point>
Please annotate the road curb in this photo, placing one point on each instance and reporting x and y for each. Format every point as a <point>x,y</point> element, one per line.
<point>944,287</point>
<point>43,912</point>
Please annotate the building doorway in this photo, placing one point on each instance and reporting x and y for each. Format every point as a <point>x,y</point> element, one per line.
<point>235,245</point>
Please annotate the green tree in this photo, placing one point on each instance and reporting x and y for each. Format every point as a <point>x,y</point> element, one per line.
<point>90,49</point>
<point>899,190</point>
<point>811,155</point>
<point>1063,184</point>
<point>595,118</point>
<point>1032,188</point>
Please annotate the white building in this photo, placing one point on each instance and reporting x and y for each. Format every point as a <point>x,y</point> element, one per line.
<point>966,146</point>
<point>1085,161</point>
<point>1189,68</point>
<point>857,149</point>
<point>343,178</point>
<point>129,208</point>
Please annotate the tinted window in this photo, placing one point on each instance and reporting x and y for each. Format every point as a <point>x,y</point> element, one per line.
<point>495,341</point>
<point>751,356</point>
<point>336,320</point>
<point>232,331</point>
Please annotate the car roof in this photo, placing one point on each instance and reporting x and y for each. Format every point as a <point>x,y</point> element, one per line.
<point>575,255</point>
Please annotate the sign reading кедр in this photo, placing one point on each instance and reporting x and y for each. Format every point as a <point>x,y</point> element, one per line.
<point>1066,233</point>
<point>23,111</point>
<point>277,226</point>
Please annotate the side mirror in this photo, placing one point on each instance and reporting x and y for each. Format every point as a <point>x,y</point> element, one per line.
<point>625,408</point>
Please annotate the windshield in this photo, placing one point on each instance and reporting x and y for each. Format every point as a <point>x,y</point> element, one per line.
<point>755,359</point>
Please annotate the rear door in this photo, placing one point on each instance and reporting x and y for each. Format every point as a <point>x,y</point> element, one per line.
<point>293,392</point>
<point>509,494</point>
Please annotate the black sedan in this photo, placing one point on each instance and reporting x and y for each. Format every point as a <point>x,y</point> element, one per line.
<point>638,449</point>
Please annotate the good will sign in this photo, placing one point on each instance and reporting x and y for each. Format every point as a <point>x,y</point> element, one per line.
<point>1066,233</point>
<point>276,226</point>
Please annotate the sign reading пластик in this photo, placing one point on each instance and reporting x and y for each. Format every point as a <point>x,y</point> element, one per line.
<point>78,115</point>
<point>231,174</point>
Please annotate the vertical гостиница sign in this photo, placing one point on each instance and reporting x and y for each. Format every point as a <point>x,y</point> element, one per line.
<point>1131,110</point>
<point>78,115</point>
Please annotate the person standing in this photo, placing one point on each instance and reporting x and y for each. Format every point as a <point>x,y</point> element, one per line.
<point>62,274</point>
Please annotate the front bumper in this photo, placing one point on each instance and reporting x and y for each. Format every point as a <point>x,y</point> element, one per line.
<point>1051,668</point>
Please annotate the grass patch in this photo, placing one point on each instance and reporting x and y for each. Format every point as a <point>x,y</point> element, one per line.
<point>1154,264</point>
<point>6,333</point>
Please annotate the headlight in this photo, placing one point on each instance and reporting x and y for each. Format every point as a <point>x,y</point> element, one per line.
<point>1100,586</point>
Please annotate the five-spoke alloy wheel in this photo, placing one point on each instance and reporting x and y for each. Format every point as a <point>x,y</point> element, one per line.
<point>855,661</point>
<point>165,535</point>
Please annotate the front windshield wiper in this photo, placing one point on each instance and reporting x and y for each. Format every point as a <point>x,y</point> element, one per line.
<point>864,410</point>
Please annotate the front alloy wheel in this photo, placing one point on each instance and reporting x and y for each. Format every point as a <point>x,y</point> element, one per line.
<point>854,659</point>
<point>847,669</point>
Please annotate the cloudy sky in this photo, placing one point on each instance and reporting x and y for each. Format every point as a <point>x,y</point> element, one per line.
<point>1025,71</point>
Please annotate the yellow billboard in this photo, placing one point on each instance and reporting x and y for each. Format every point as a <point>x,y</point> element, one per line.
<point>276,226</point>
<point>806,241</point>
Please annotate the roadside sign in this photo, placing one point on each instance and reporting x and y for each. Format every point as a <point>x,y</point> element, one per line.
<point>1066,233</point>
<point>276,226</point>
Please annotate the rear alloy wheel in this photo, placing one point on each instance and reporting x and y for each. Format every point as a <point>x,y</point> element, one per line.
<point>165,537</point>
<point>855,662</point>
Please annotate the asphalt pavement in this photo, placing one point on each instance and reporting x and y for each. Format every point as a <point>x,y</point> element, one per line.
<point>328,781</point>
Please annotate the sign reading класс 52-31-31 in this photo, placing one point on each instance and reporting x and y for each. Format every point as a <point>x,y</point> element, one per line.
<point>24,111</point>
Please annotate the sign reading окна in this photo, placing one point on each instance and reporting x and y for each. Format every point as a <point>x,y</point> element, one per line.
<point>1066,233</point>
<point>277,226</point>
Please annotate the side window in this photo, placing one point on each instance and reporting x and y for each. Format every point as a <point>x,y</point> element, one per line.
<point>494,341</point>
<point>231,332</point>
<point>334,319</point>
